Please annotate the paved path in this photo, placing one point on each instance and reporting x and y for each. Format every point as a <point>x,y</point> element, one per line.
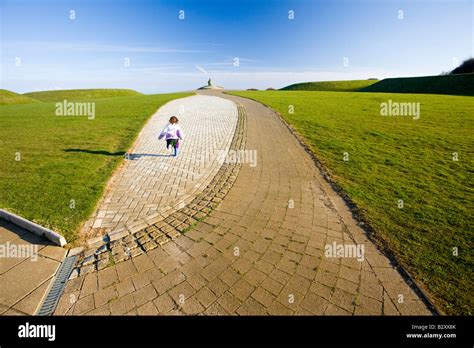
<point>28,264</point>
<point>262,250</point>
<point>151,184</point>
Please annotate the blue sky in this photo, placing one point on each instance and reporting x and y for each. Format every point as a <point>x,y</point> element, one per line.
<point>171,54</point>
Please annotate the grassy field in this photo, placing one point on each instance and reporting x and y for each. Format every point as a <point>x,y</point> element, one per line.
<point>336,86</point>
<point>462,84</point>
<point>9,98</point>
<point>78,94</point>
<point>397,157</point>
<point>51,163</point>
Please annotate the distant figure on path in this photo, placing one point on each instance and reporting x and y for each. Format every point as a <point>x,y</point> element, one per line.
<point>173,134</point>
<point>209,83</point>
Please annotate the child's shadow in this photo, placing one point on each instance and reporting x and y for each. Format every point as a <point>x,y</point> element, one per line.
<point>135,156</point>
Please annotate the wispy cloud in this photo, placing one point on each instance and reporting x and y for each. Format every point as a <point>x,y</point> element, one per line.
<point>201,69</point>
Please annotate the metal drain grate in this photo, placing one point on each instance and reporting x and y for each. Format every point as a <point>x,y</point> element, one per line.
<point>49,304</point>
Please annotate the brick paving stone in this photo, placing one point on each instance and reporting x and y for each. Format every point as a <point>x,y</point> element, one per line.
<point>242,289</point>
<point>181,292</point>
<point>276,308</point>
<point>206,297</point>
<point>196,281</point>
<point>89,286</point>
<point>280,276</point>
<point>251,307</point>
<point>229,276</point>
<point>314,303</point>
<point>66,303</point>
<point>103,296</point>
<point>218,287</point>
<point>125,287</point>
<point>263,296</point>
<point>321,290</point>
<point>335,310</point>
<point>229,302</point>
<point>141,280</point>
<point>122,305</point>
<point>144,295</point>
<point>254,276</point>
<point>143,263</point>
<point>272,286</point>
<point>126,269</point>
<point>299,282</point>
<point>242,265</point>
<point>168,282</point>
<point>164,304</point>
<point>290,297</point>
<point>369,305</point>
<point>84,305</point>
<point>216,309</point>
<point>102,311</point>
<point>147,309</point>
<point>107,277</point>
<point>343,299</point>
<point>192,307</point>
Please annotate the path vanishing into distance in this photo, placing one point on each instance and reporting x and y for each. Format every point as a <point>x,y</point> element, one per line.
<point>254,232</point>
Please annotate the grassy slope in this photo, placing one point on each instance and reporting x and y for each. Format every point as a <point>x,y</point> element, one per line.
<point>394,158</point>
<point>339,86</point>
<point>77,94</point>
<point>462,84</point>
<point>10,98</point>
<point>41,186</point>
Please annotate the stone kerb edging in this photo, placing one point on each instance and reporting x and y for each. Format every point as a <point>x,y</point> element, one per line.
<point>30,226</point>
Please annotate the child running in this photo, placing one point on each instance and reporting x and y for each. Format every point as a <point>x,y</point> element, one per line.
<point>173,134</point>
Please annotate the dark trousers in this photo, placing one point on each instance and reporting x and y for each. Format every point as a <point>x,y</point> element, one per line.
<point>172,142</point>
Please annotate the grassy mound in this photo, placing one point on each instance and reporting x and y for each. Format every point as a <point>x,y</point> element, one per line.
<point>336,86</point>
<point>12,98</point>
<point>76,94</point>
<point>462,84</point>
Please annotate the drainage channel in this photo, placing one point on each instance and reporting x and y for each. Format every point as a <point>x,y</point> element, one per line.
<point>56,290</point>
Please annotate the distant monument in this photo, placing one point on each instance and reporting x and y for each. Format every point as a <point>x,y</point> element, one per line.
<point>210,85</point>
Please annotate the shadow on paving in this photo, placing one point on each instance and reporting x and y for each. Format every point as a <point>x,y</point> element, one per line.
<point>135,156</point>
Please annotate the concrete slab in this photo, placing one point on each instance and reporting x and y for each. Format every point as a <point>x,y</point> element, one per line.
<point>28,263</point>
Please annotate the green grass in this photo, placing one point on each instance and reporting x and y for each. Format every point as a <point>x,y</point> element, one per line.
<point>462,84</point>
<point>66,158</point>
<point>336,86</point>
<point>79,94</point>
<point>392,158</point>
<point>12,98</point>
